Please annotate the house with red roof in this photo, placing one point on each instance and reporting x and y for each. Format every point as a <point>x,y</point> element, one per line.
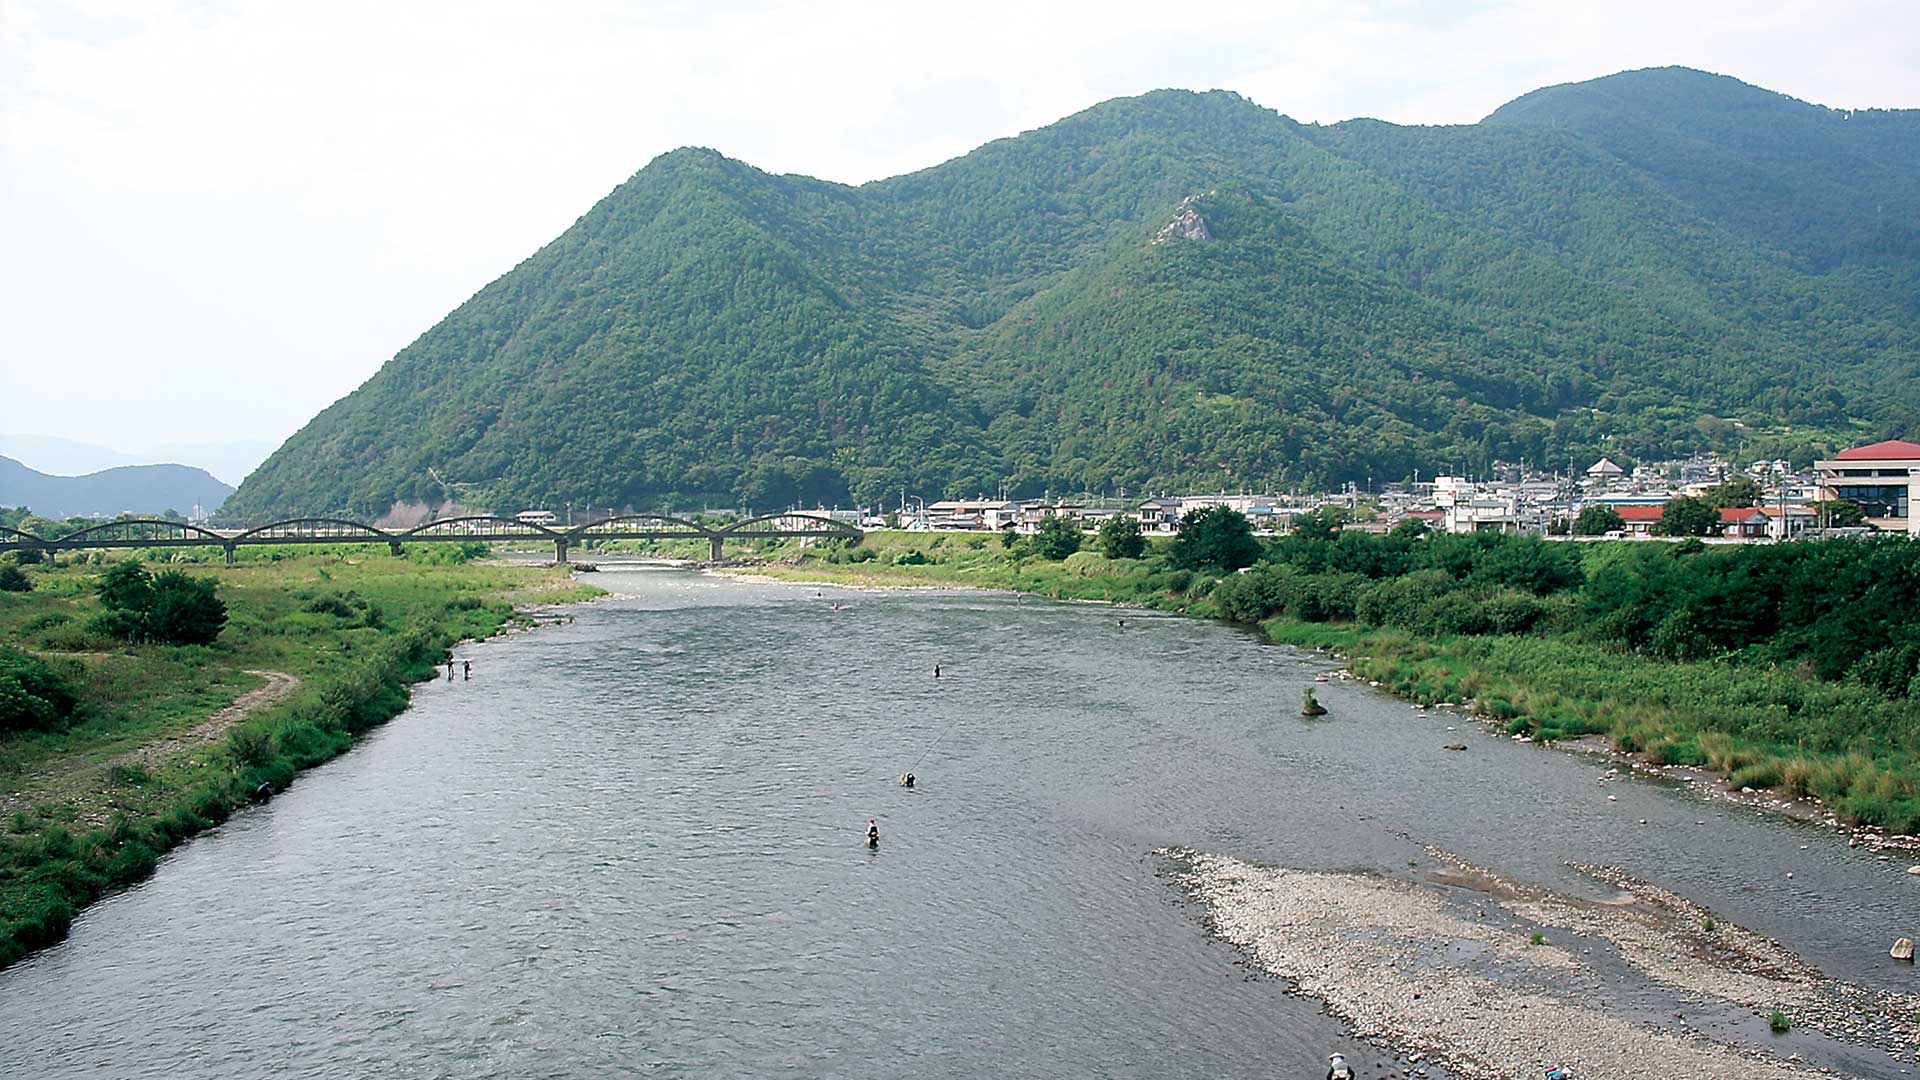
<point>1880,477</point>
<point>1640,520</point>
<point>1745,522</point>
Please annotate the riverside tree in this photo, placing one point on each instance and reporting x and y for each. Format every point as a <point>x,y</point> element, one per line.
<point>1120,537</point>
<point>1216,538</point>
<point>1687,516</point>
<point>1598,520</point>
<point>1739,491</point>
<point>1840,514</point>
<point>1057,537</point>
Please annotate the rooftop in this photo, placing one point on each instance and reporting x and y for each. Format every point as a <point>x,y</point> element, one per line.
<point>1890,450</point>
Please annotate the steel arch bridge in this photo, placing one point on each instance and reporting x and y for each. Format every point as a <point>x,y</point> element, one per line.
<point>155,533</point>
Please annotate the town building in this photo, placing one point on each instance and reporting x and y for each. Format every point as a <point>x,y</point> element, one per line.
<point>990,514</point>
<point>1481,514</point>
<point>1880,477</point>
<point>1745,522</point>
<point>1790,521</point>
<point>1639,519</point>
<point>1159,515</point>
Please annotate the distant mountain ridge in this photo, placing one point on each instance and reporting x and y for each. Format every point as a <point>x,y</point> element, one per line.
<point>136,489</point>
<point>229,461</point>
<point>1174,290</point>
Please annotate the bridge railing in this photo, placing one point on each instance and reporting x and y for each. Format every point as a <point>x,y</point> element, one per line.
<point>619,526</point>
<point>479,527</point>
<point>140,532</point>
<point>312,531</point>
<point>789,524</point>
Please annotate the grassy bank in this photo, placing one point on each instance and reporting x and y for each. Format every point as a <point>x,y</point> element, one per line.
<point>135,766</point>
<point>1660,648</point>
<point>934,560</point>
<point>1768,729</point>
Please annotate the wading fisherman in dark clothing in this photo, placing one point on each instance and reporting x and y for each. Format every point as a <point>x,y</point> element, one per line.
<point>1338,1069</point>
<point>873,833</point>
<point>467,672</point>
<point>936,671</point>
<point>906,781</point>
<point>449,669</point>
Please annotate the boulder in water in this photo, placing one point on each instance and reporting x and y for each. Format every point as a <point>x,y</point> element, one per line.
<point>1902,950</point>
<point>1310,705</point>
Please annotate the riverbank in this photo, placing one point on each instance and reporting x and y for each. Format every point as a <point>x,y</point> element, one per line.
<point>1840,749</point>
<point>1495,978</point>
<point>164,741</point>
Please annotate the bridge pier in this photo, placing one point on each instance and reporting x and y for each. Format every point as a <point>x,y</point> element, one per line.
<point>713,549</point>
<point>394,546</point>
<point>229,548</point>
<point>560,550</point>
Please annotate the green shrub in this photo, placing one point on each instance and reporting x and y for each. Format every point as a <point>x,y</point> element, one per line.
<point>33,696</point>
<point>46,621</point>
<point>127,776</point>
<point>171,607</point>
<point>13,579</point>
<point>250,745</point>
<point>1761,775</point>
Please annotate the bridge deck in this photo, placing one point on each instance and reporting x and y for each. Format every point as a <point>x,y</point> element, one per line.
<point>152,533</point>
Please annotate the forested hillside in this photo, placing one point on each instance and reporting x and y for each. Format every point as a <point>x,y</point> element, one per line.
<point>1177,289</point>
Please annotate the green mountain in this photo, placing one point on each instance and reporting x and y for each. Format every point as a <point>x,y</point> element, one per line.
<point>1178,289</point>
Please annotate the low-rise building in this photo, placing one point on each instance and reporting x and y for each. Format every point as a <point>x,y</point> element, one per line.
<point>1159,515</point>
<point>1639,519</point>
<point>1465,515</point>
<point>1788,522</point>
<point>972,514</point>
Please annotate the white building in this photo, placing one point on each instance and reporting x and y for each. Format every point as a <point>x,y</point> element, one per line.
<point>1482,514</point>
<point>1880,477</point>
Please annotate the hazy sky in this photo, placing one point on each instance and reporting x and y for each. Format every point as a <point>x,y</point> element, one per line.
<point>216,218</point>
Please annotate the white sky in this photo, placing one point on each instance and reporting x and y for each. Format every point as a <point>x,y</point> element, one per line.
<point>216,218</point>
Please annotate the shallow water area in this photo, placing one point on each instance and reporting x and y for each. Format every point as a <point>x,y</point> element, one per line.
<point>633,844</point>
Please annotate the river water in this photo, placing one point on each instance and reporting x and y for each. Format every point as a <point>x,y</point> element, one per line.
<point>633,845</point>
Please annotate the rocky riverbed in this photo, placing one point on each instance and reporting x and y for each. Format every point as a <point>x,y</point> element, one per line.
<point>1488,977</point>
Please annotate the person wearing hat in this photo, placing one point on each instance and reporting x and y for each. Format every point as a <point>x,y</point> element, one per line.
<point>1338,1069</point>
<point>873,833</point>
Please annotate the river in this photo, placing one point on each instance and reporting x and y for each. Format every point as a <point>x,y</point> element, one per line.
<point>633,845</point>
